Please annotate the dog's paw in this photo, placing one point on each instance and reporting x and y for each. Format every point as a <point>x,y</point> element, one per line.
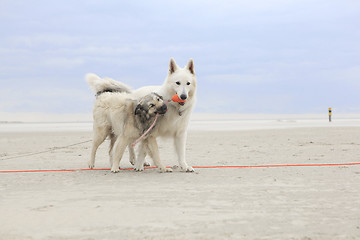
<point>139,169</point>
<point>164,170</point>
<point>115,170</point>
<point>188,169</point>
<point>146,164</point>
<point>132,160</point>
<point>91,165</point>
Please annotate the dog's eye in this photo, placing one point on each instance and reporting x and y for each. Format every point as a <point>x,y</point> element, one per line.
<point>151,105</point>
<point>188,83</point>
<point>177,83</point>
<point>158,99</point>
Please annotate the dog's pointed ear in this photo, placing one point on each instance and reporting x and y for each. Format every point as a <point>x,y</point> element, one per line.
<point>172,66</point>
<point>138,109</point>
<point>158,95</point>
<point>190,66</point>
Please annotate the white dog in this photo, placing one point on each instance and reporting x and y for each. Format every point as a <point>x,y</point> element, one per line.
<point>123,120</point>
<point>180,81</point>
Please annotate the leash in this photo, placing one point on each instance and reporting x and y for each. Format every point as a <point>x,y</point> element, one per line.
<point>144,134</point>
<point>56,148</point>
<point>198,167</point>
<point>175,98</point>
<point>45,151</point>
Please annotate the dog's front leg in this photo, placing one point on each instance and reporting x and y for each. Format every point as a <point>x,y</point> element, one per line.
<point>132,157</point>
<point>180,147</point>
<point>139,163</point>
<point>154,154</point>
<point>140,159</point>
<point>118,151</point>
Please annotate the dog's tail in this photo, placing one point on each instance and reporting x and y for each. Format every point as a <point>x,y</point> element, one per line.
<point>101,85</point>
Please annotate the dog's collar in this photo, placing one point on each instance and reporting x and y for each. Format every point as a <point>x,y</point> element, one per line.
<point>180,112</point>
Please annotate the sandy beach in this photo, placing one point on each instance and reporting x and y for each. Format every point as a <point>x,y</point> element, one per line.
<point>317,202</point>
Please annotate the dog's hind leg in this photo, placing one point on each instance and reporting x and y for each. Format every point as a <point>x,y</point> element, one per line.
<point>118,152</point>
<point>112,142</point>
<point>100,134</point>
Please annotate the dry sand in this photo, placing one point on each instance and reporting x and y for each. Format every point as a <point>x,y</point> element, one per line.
<point>232,203</point>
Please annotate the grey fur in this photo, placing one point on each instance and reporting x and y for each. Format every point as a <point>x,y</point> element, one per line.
<point>124,120</point>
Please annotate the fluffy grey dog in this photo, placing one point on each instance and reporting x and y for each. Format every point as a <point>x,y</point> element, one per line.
<point>123,119</point>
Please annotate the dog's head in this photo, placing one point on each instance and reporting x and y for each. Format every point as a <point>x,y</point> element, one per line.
<point>182,81</point>
<point>150,105</point>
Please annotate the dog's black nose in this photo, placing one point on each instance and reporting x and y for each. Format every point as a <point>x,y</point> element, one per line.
<point>183,96</point>
<point>164,108</point>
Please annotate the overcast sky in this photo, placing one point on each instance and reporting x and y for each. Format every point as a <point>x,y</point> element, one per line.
<point>259,56</point>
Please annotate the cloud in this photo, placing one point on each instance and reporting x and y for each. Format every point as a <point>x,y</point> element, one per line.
<point>272,55</point>
<point>42,40</point>
<point>63,62</point>
<point>238,78</point>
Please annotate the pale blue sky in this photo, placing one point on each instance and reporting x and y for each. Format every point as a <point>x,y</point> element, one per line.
<point>261,56</point>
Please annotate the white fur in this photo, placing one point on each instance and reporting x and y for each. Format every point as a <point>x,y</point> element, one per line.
<point>114,117</point>
<point>98,84</point>
<point>173,125</point>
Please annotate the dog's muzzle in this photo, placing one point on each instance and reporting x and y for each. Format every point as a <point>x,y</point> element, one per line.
<point>183,97</point>
<point>162,110</point>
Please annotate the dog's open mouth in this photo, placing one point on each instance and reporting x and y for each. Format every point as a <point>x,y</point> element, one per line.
<point>162,110</point>
<point>182,103</point>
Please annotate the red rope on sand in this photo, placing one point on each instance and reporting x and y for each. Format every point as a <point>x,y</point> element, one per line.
<point>248,166</point>
<point>285,165</point>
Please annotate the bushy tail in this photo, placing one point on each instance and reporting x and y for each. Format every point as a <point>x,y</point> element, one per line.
<point>100,85</point>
